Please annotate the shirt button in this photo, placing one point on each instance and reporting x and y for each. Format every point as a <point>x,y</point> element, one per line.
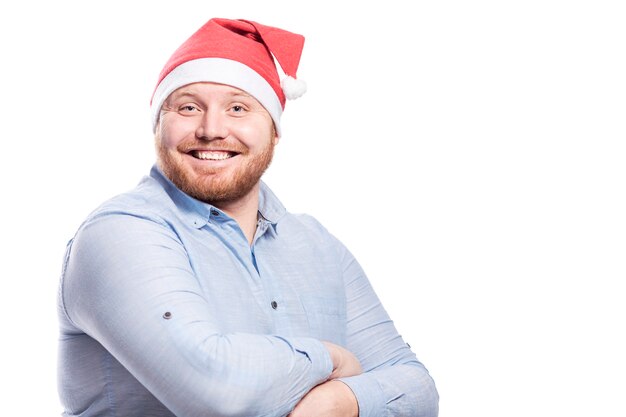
<point>274,305</point>
<point>215,212</point>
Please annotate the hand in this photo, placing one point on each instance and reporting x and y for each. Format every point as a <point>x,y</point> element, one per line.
<point>330,399</point>
<point>344,362</point>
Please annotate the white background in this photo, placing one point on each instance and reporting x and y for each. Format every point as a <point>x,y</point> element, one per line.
<point>470,153</point>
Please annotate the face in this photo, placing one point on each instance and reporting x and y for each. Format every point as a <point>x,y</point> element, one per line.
<point>214,142</point>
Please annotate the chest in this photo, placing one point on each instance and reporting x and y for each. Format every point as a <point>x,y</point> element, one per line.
<point>288,285</point>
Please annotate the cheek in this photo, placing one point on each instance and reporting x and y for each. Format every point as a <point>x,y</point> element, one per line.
<point>256,136</point>
<point>172,134</point>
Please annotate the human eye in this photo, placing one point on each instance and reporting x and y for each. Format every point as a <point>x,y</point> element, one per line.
<point>237,109</point>
<point>188,108</point>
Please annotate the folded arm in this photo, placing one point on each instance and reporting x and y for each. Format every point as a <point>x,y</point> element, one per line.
<point>129,285</point>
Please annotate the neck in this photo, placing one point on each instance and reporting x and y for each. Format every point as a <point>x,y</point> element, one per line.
<point>244,211</point>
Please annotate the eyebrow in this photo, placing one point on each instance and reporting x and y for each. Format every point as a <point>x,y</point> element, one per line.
<point>184,94</point>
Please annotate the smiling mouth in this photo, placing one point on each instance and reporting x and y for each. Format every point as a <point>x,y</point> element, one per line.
<point>213,155</point>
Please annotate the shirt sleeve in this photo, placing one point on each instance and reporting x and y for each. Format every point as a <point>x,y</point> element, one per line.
<point>129,285</point>
<point>394,382</point>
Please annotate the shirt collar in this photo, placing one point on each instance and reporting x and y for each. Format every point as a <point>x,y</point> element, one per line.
<point>270,207</point>
<point>198,213</point>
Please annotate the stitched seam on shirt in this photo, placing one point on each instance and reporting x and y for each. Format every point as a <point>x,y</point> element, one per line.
<point>108,386</point>
<point>62,283</point>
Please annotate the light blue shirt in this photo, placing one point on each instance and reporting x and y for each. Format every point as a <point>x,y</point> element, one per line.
<point>166,310</point>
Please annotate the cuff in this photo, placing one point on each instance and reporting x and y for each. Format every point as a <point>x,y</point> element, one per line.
<point>368,394</point>
<point>318,355</point>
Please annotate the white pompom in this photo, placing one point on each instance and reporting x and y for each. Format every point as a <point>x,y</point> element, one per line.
<point>292,88</point>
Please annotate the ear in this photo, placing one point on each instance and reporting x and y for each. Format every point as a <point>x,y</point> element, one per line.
<point>276,138</point>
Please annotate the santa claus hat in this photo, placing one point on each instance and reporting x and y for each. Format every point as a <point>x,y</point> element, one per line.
<point>240,53</point>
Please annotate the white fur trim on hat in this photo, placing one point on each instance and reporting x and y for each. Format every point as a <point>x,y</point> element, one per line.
<point>222,71</point>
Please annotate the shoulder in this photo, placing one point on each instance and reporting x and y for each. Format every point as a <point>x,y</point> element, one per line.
<point>143,214</point>
<point>147,201</point>
<point>304,223</point>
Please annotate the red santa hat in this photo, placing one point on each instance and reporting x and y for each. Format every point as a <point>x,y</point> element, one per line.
<point>240,53</point>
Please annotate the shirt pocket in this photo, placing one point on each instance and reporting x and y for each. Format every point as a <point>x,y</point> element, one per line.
<point>326,317</point>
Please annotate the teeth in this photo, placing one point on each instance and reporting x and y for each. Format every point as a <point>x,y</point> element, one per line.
<point>213,155</point>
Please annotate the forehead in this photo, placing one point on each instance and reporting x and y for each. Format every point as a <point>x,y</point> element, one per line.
<point>209,89</point>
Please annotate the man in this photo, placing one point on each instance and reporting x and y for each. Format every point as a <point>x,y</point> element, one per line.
<point>198,294</point>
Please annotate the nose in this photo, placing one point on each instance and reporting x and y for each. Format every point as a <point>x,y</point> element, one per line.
<point>212,126</point>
